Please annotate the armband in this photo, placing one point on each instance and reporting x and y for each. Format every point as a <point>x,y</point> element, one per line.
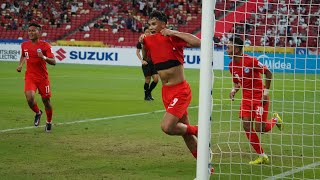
<point>266,92</point>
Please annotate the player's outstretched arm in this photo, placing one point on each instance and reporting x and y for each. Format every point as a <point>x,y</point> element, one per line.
<point>21,62</point>
<point>192,40</point>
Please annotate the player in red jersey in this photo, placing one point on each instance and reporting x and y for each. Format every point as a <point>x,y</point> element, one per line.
<point>166,50</point>
<point>37,54</point>
<point>246,72</point>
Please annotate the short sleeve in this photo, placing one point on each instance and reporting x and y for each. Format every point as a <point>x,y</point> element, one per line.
<point>258,66</point>
<point>48,51</point>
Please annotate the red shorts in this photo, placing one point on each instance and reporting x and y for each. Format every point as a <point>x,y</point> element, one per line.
<point>43,86</point>
<point>254,109</point>
<point>176,98</point>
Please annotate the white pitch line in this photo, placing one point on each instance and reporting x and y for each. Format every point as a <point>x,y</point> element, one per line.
<point>282,175</point>
<point>52,77</point>
<point>90,120</point>
<point>95,119</point>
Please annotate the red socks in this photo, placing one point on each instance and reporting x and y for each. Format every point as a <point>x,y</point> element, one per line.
<point>49,115</point>
<point>35,108</point>
<point>254,141</point>
<point>192,130</point>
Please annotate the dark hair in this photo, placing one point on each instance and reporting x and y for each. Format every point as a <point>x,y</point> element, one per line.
<point>35,25</point>
<point>158,15</point>
<point>236,41</point>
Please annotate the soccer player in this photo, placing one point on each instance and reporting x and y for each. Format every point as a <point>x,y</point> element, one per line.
<point>148,70</point>
<point>166,50</point>
<point>246,72</point>
<point>37,54</point>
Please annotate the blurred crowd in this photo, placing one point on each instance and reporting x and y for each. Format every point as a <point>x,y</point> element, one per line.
<point>117,14</point>
<point>287,23</point>
<point>293,23</point>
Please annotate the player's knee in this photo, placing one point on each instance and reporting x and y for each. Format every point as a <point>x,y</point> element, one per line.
<point>46,102</point>
<point>166,129</point>
<point>246,127</point>
<point>30,103</point>
<point>260,127</point>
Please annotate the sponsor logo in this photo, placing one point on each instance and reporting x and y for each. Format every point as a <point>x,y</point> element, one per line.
<point>192,59</point>
<point>301,51</point>
<point>61,54</point>
<point>274,64</point>
<point>9,54</point>
<point>91,55</point>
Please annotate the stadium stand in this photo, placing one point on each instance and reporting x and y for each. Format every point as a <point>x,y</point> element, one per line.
<point>123,22</point>
<point>56,17</point>
<point>290,23</point>
<point>113,22</point>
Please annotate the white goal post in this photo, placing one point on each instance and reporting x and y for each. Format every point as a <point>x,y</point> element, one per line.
<point>205,91</point>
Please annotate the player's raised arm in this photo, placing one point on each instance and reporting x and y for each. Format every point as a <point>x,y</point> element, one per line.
<point>192,40</point>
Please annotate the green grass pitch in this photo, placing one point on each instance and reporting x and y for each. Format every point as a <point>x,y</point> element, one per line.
<point>131,145</point>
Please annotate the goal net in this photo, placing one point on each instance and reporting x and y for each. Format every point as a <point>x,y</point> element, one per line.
<point>282,34</point>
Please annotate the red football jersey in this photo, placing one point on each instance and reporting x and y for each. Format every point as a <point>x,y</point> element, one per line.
<point>36,66</point>
<point>164,48</point>
<point>248,72</point>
